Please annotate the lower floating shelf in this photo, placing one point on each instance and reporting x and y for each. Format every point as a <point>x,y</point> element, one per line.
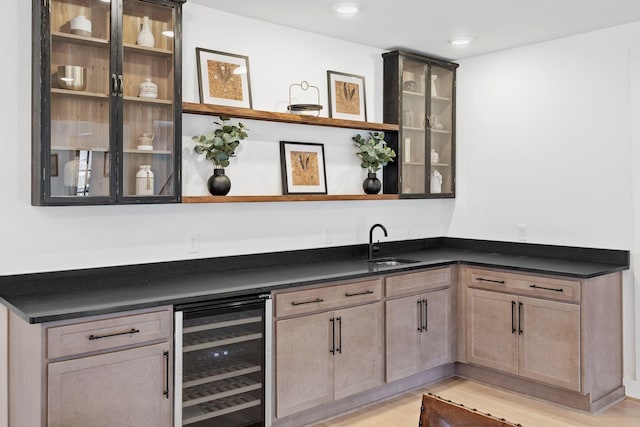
<point>287,198</point>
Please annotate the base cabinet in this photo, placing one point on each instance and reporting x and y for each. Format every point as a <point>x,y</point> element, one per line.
<point>551,337</point>
<point>102,371</point>
<point>124,388</point>
<point>418,330</point>
<point>327,356</point>
<point>530,337</point>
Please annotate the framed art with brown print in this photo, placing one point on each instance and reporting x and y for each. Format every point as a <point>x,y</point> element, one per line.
<point>346,96</point>
<point>223,78</point>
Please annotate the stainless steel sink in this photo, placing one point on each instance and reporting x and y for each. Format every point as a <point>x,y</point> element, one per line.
<point>391,261</point>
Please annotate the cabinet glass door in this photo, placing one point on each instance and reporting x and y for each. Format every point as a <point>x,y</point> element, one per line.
<point>412,127</point>
<point>441,128</point>
<point>80,150</point>
<point>148,141</point>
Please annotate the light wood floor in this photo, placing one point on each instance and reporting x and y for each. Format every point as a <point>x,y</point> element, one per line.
<point>404,410</point>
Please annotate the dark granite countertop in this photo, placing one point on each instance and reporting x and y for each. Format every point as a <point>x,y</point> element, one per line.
<point>44,297</point>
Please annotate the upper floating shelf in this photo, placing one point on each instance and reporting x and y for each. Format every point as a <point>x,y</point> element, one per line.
<point>247,113</point>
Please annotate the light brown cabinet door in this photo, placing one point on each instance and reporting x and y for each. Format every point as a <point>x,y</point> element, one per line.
<point>549,345</point>
<point>402,337</point>
<point>304,363</point>
<point>436,338</point>
<point>358,359</point>
<point>492,337</point>
<point>125,388</point>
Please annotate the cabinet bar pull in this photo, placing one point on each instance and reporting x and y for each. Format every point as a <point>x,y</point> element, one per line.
<point>420,311</point>
<point>129,332</point>
<point>533,285</point>
<point>519,318</point>
<point>482,279</point>
<point>114,85</point>
<point>307,302</point>
<point>333,336</point>
<point>426,315</point>
<point>166,384</point>
<point>513,312</point>
<point>349,294</point>
<point>120,86</point>
<point>339,349</point>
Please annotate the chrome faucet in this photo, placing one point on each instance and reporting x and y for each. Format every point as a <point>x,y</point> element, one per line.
<point>373,248</point>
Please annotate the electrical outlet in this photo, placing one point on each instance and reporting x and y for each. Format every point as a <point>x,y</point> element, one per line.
<point>193,243</point>
<point>522,232</point>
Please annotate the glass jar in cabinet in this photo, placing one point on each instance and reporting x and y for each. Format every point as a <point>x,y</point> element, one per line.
<point>419,95</point>
<point>106,100</point>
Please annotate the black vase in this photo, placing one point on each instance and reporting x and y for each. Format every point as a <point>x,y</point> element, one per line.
<point>219,184</point>
<point>371,184</point>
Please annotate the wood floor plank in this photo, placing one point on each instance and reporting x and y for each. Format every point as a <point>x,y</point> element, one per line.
<point>404,410</point>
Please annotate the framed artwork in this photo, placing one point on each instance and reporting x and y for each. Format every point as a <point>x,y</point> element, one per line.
<point>302,166</point>
<point>346,96</point>
<point>223,78</point>
<point>54,165</point>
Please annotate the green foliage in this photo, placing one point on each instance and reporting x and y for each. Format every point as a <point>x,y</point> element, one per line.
<point>220,145</point>
<point>373,151</point>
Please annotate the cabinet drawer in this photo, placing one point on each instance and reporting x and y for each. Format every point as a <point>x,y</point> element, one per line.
<point>104,334</point>
<point>522,284</point>
<point>410,283</point>
<point>327,297</point>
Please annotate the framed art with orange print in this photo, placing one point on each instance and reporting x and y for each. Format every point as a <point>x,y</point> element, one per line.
<point>223,78</point>
<point>347,99</point>
<point>303,168</point>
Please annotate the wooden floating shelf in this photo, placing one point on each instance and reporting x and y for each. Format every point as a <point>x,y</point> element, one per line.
<point>287,198</point>
<point>247,113</point>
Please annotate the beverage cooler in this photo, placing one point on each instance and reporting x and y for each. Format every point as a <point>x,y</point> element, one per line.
<point>223,362</point>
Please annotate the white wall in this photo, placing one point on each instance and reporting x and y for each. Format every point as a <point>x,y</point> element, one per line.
<point>544,140</point>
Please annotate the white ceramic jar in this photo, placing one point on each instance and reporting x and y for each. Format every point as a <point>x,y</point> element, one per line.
<point>80,25</point>
<point>436,182</point>
<point>144,181</point>
<point>145,37</point>
<point>148,89</point>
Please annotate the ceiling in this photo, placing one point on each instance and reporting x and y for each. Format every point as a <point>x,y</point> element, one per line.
<point>427,26</point>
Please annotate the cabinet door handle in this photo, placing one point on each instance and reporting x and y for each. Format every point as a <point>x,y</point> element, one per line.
<point>120,86</point>
<point>426,315</point>
<point>166,384</point>
<point>420,311</point>
<point>520,318</point>
<point>534,286</point>
<point>333,336</point>
<point>307,302</point>
<point>114,85</point>
<point>349,294</point>
<point>482,279</point>
<point>99,337</point>
<point>513,313</point>
<point>339,349</point>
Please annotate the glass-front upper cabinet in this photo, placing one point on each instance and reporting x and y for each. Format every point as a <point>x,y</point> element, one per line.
<point>419,95</point>
<point>106,100</point>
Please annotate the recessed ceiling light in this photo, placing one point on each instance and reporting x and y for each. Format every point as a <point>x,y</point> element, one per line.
<point>346,8</point>
<point>461,41</point>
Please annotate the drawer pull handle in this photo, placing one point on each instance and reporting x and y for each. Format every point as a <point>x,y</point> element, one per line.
<point>482,279</point>
<point>129,332</point>
<point>533,285</point>
<point>349,294</point>
<point>307,302</point>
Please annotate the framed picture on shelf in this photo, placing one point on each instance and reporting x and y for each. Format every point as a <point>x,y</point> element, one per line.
<point>346,96</point>
<point>223,78</point>
<point>54,165</point>
<point>303,169</point>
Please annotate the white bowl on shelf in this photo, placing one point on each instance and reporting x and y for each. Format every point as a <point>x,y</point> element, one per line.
<point>145,147</point>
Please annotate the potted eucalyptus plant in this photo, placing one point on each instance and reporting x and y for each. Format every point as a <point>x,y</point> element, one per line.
<point>374,154</point>
<point>219,146</point>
